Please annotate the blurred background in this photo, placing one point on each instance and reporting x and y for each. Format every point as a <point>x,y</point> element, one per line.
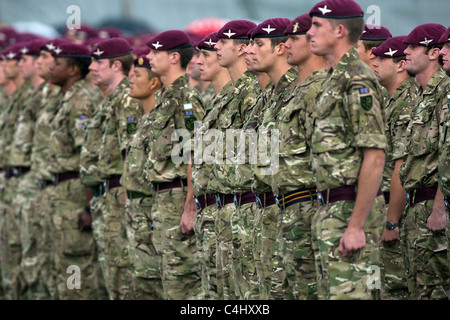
<point>49,17</point>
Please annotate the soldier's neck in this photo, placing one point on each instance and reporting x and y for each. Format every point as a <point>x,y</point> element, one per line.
<point>237,70</point>
<point>114,84</point>
<point>9,88</point>
<point>313,63</point>
<point>424,77</point>
<point>221,79</point>
<point>170,77</point>
<point>391,87</point>
<point>36,81</point>
<point>148,104</point>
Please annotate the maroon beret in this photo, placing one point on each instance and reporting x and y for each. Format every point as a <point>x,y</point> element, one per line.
<point>336,9</point>
<point>111,48</point>
<point>391,48</point>
<point>7,36</point>
<point>373,32</point>
<point>108,32</point>
<point>84,32</point>
<point>445,37</point>
<point>71,50</point>
<point>168,40</point>
<point>142,62</point>
<point>236,29</point>
<point>208,42</point>
<point>427,34</point>
<point>141,50</point>
<point>13,52</point>
<point>51,45</point>
<point>271,28</point>
<point>33,47</point>
<point>299,25</point>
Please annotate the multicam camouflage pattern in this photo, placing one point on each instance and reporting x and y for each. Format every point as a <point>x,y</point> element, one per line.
<point>146,262</point>
<point>348,118</point>
<point>232,117</point>
<point>13,282</point>
<point>40,154</point>
<point>425,254</point>
<point>201,170</point>
<point>242,220</point>
<point>91,146</point>
<point>68,198</point>
<point>122,114</point>
<point>444,144</point>
<point>222,179</point>
<point>177,107</point>
<point>398,115</point>
<point>295,172</point>
<point>426,251</point>
<point>340,277</point>
<point>420,167</point>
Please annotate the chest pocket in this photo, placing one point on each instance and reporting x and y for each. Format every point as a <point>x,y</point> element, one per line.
<point>329,129</point>
<point>424,132</point>
<point>292,132</point>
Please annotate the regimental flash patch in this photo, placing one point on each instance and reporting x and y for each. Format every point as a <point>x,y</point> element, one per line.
<point>366,102</point>
<point>189,113</point>
<point>131,125</point>
<point>364,90</point>
<point>84,124</point>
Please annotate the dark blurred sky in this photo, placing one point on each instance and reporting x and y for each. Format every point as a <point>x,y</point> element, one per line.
<point>400,16</point>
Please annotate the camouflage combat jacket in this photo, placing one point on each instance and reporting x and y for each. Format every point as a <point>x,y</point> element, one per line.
<point>398,115</point>
<point>229,122</point>
<point>123,113</point>
<point>348,117</point>
<point>22,142</point>
<point>67,127</point>
<point>267,166</point>
<point>295,126</point>
<point>171,134</point>
<point>9,116</point>
<point>203,154</point>
<point>444,146</point>
<point>420,167</point>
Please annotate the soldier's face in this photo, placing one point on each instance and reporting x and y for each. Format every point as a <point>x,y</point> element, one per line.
<point>226,52</point>
<point>297,49</point>
<point>59,71</point>
<point>249,56</point>
<point>208,65</point>
<point>445,53</point>
<point>43,64</point>
<point>101,71</point>
<point>416,59</point>
<point>139,84</point>
<point>27,66</point>
<point>192,68</point>
<point>264,54</point>
<point>384,69</point>
<point>3,80</point>
<point>322,36</point>
<point>11,69</point>
<point>159,61</point>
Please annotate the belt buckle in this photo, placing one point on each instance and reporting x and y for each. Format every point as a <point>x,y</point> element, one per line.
<point>105,185</point>
<point>447,203</point>
<point>258,201</point>
<point>408,197</point>
<point>236,203</point>
<point>54,179</point>
<point>5,174</point>
<point>218,202</point>
<point>15,172</point>
<point>153,186</point>
<point>320,198</point>
<point>41,184</point>
<point>197,203</point>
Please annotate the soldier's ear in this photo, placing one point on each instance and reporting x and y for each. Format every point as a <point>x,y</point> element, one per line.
<point>433,53</point>
<point>401,65</point>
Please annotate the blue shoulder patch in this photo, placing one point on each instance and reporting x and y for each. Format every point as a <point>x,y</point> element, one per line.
<point>364,90</point>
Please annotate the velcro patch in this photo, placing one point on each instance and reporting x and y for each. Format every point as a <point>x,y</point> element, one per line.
<point>366,102</point>
<point>187,106</point>
<point>364,90</point>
